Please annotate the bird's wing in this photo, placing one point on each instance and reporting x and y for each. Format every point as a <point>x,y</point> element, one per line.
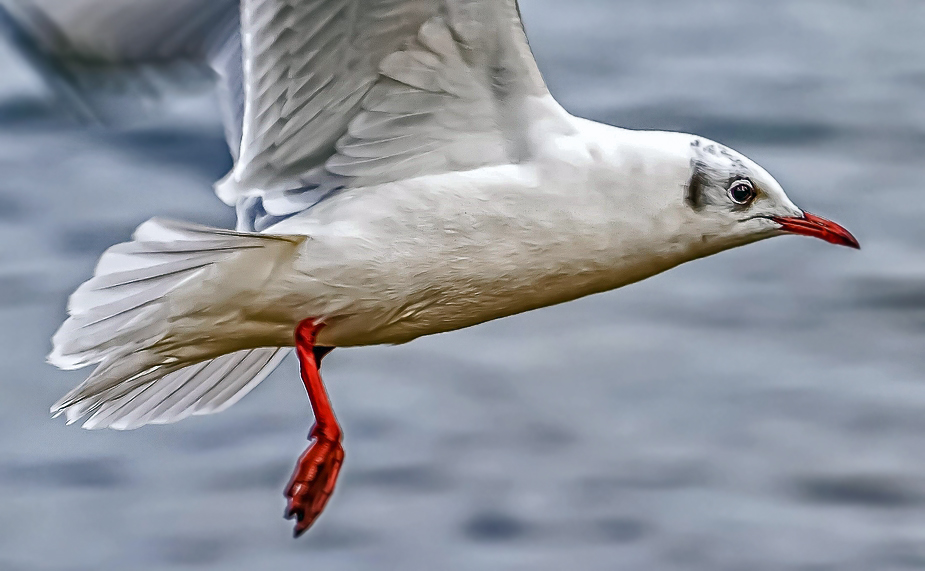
<point>83,47</point>
<point>346,93</point>
<point>124,30</point>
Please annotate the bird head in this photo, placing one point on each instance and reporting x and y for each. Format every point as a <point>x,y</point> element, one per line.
<point>739,202</point>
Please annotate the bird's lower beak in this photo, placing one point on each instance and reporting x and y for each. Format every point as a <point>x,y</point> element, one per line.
<point>818,227</point>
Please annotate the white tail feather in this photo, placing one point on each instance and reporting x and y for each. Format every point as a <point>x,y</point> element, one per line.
<point>123,320</point>
<point>204,388</point>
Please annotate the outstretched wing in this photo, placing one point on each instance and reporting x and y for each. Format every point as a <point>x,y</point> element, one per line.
<point>123,31</point>
<point>342,93</point>
<point>82,47</point>
<point>333,93</point>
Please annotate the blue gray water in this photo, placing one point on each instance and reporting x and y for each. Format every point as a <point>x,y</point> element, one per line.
<point>760,410</point>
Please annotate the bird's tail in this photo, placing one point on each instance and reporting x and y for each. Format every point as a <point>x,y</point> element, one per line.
<point>140,320</point>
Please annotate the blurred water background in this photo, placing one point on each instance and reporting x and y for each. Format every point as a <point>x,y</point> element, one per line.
<point>760,410</point>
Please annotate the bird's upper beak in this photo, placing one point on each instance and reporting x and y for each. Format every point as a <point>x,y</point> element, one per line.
<point>818,227</point>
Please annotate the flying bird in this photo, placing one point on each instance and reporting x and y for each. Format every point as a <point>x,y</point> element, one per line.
<point>400,170</point>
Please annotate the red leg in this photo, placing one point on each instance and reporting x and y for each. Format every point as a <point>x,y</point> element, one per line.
<point>316,473</point>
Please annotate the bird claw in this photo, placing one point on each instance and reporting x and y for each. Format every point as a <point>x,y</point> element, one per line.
<point>313,482</point>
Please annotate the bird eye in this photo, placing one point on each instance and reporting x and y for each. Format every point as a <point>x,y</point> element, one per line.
<point>742,191</point>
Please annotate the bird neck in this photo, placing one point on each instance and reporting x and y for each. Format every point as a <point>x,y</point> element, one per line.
<point>633,187</point>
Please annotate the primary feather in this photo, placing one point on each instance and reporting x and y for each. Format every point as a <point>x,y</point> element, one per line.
<point>333,96</point>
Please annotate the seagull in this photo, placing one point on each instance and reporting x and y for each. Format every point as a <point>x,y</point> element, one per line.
<point>400,170</point>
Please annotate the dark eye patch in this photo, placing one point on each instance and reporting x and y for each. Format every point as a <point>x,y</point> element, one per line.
<point>711,179</point>
<point>696,185</point>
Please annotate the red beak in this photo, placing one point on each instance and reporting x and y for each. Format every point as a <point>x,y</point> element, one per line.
<point>818,227</point>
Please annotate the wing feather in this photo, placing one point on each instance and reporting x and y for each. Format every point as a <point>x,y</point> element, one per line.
<point>346,93</point>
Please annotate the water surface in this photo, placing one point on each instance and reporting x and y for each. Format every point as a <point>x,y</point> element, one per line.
<point>762,409</point>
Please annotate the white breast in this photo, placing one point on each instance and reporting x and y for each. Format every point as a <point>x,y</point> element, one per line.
<point>390,263</point>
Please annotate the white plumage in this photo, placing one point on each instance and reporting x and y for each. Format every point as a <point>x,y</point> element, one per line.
<point>412,175</point>
<point>130,317</point>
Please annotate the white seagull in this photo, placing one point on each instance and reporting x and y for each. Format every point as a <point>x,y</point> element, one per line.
<point>401,171</point>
